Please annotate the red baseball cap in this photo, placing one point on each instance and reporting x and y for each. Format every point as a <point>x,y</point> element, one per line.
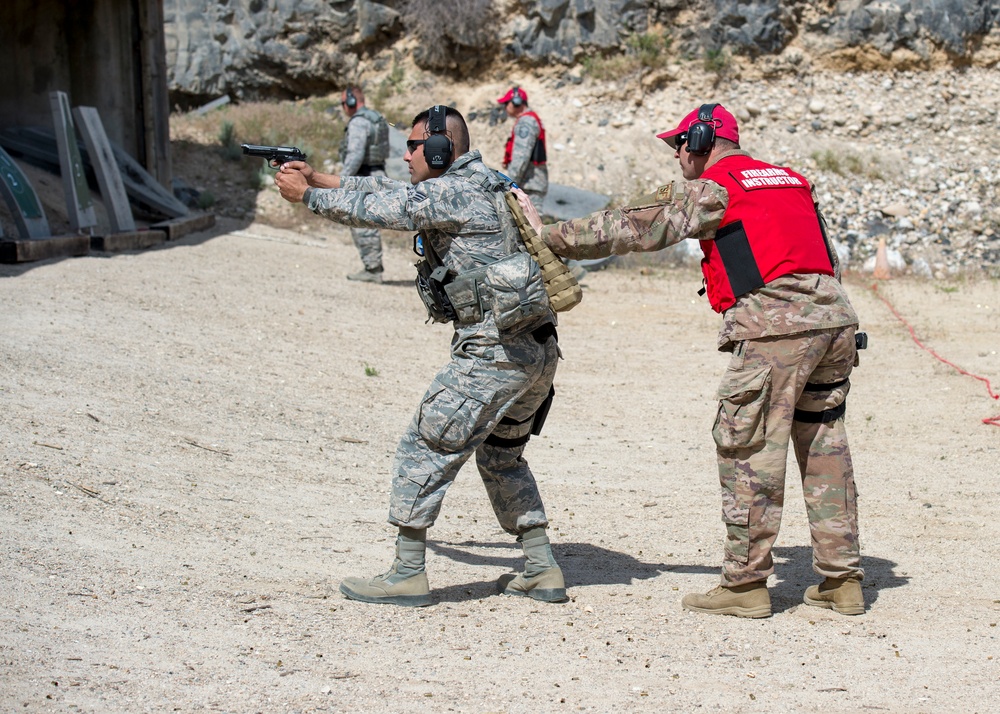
<point>725,126</point>
<point>510,95</point>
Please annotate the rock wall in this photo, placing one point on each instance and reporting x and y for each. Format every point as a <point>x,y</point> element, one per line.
<point>289,48</point>
<point>278,48</point>
<point>563,30</point>
<point>923,27</point>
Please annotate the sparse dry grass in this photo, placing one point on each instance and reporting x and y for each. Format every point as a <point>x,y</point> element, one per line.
<point>315,126</point>
<point>646,51</point>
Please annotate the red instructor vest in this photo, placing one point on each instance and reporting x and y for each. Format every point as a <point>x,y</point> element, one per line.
<point>770,228</point>
<point>508,150</point>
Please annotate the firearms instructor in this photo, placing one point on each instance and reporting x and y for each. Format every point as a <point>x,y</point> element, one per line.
<point>773,275</point>
<point>494,393</point>
<point>524,155</point>
<point>363,152</point>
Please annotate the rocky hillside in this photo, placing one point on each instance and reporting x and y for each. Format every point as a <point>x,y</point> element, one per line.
<point>899,130</point>
<point>294,48</point>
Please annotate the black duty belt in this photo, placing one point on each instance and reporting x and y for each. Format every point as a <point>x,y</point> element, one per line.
<point>366,169</point>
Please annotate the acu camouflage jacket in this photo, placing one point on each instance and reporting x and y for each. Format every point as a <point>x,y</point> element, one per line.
<point>457,212</point>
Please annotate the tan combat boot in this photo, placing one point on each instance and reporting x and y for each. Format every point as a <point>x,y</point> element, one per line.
<point>750,600</point>
<point>542,578</point>
<point>404,584</point>
<point>367,276</point>
<point>547,586</point>
<point>840,595</point>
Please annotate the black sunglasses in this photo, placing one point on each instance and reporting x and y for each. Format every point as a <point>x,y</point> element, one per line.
<point>413,144</point>
<point>680,140</point>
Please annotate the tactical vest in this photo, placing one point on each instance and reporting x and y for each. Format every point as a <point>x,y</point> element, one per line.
<point>377,150</point>
<point>538,154</point>
<point>770,228</point>
<point>512,289</point>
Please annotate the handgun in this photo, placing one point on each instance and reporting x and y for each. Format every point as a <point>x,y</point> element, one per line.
<point>274,155</point>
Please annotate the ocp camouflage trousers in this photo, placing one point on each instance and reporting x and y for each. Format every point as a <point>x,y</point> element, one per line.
<point>766,382</point>
<point>463,406</point>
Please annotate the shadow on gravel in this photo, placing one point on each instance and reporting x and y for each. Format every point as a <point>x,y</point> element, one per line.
<point>586,564</point>
<point>793,573</point>
<point>582,564</point>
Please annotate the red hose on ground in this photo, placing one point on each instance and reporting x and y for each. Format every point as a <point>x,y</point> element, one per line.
<point>993,421</point>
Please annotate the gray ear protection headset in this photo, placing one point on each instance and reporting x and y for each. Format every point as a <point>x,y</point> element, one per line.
<point>437,147</point>
<point>701,134</point>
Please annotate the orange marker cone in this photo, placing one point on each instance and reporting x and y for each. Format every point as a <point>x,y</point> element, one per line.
<point>881,271</point>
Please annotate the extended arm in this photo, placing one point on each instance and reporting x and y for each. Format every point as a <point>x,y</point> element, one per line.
<point>677,211</point>
<point>363,209</point>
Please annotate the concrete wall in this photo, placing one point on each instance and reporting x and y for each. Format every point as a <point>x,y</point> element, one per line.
<point>107,54</point>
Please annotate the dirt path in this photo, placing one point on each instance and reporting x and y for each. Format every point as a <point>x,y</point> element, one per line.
<point>194,457</point>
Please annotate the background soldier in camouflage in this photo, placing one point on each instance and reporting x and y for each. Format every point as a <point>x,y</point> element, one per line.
<point>525,156</point>
<point>486,400</point>
<point>792,338</point>
<point>363,152</point>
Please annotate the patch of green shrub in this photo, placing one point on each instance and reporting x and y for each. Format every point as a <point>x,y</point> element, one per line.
<point>643,51</point>
<point>206,199</point>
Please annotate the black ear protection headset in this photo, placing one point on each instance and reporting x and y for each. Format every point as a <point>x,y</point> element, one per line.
<point>516,98</point>
<point>349,99</point>
<point>437,146</point>
<point>701,134</point>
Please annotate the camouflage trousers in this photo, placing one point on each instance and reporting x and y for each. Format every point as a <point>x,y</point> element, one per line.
<point>469,400</point>
<point>368,241</point>
<point>775,391</point>
<point>535,183</point>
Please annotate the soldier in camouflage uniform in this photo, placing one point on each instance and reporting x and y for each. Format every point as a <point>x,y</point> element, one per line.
<point>790,327</point>
<point>524,158</point>
<point>363,152</point>
<point>495,391</point>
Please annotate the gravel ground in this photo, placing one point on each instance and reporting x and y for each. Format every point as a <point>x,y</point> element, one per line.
<point>197,442</point>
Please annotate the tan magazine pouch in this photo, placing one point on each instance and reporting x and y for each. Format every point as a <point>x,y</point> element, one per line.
<point>563,290</point>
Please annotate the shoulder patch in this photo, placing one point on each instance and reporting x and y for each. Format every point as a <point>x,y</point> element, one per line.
<point>665,193</point>
<point>523,130</point>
